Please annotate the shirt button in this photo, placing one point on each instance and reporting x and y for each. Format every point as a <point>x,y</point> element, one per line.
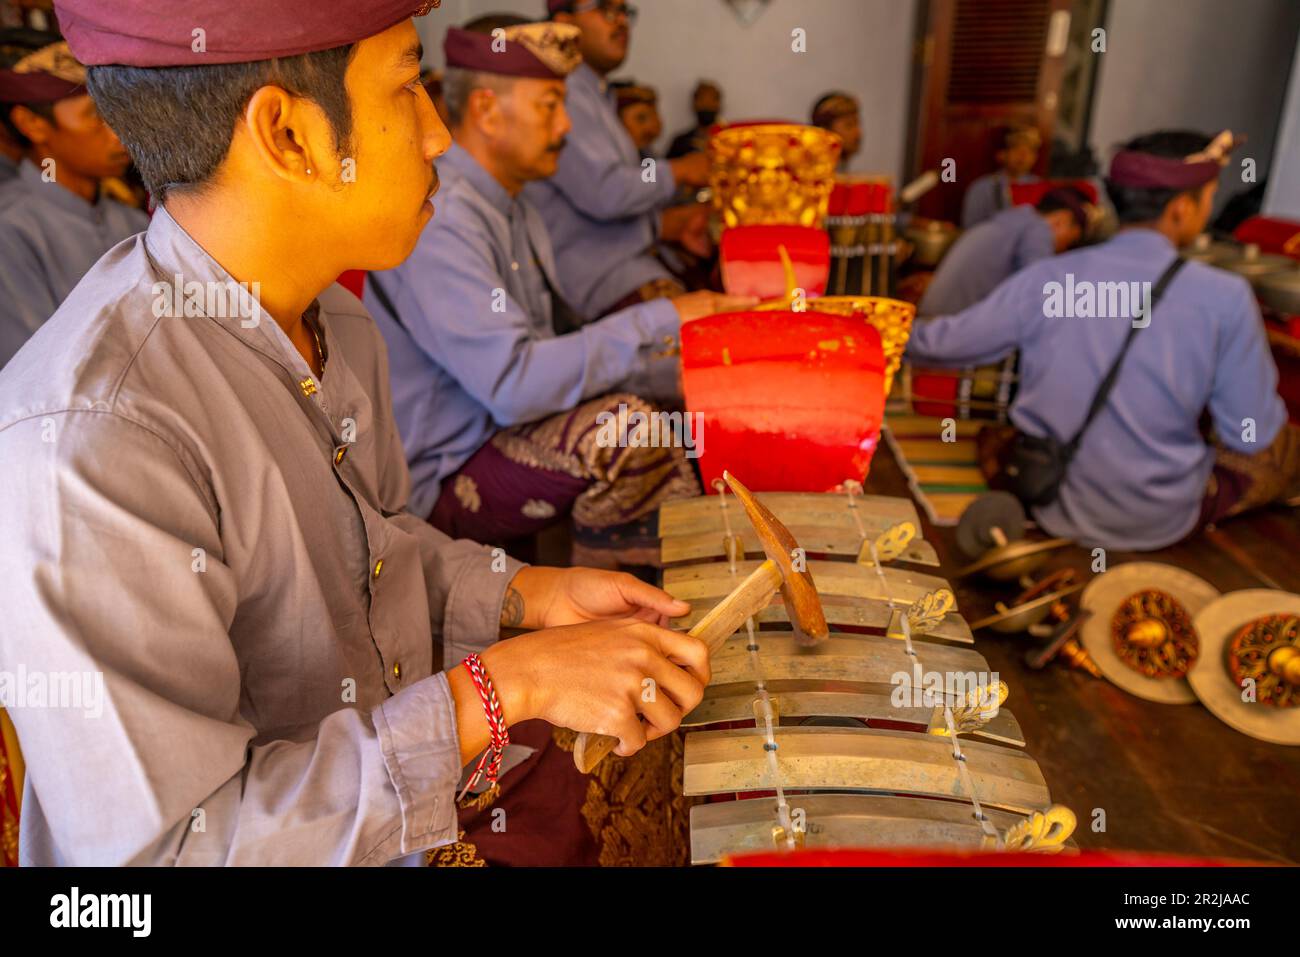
<point>514,267</point>
<point>339,454</point>
<point>379,567</point>
<point>397,669</point>
<point>308,386</point>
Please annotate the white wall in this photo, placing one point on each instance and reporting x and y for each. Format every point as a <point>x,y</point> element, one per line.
<point>1283,196</point>
<point>1199,64</point>
<point>1205,64</point>
<point>863,46</point>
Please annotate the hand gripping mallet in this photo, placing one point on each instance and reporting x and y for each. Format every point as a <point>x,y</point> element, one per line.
<point>778,572</point>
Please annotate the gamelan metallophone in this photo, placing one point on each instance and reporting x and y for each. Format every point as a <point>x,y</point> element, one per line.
<point>890,733</point>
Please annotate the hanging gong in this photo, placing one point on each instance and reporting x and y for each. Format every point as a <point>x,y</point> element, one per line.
<point>1248,673</point>
<point>1141,634</point>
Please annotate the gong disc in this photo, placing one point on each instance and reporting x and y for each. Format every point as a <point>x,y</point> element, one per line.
<point>1012,561</point>
<point>992,510</point>
<point>1103,598</point>
<point>1216,623</point>
<point>1025,615</point>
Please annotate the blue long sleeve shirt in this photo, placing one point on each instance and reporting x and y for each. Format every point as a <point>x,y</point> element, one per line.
<point>602,214</point>
<point>468,323</point>
<point>984,256</point>
<point>49,239</point>
<point>987,195</point>
<point>1139,477</point>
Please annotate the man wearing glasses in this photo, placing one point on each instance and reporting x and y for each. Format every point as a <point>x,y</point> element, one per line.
<point>603,207</point>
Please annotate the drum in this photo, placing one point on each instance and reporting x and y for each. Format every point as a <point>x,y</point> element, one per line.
<point>789,400</point>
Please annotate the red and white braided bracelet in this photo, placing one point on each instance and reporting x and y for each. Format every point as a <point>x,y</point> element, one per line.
<point>490,762</point>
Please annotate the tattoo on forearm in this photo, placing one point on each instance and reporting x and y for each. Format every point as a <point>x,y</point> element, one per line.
<point>512,609</point>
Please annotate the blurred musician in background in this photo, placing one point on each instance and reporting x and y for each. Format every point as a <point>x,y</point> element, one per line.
<point>604,206</point>
<point>16,43</point>
<point>1143,476</point>
<point>498,386</point>
<point>706,101</point>
<point>839,112</point>
<point>638,109</point>
<point>55,220</point>
<point>1016,156</point>
<point>1002,246</point>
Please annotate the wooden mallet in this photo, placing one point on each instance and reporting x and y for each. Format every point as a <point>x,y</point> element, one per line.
<point>785,570</point>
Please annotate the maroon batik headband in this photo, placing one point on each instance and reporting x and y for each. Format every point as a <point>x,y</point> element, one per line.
<point>1136,170</point>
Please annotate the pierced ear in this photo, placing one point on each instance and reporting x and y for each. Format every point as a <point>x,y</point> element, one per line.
<point>281,129</point>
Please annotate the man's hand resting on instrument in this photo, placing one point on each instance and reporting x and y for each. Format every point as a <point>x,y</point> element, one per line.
<point>693,169</point>
<point>541,597</point>
<point>700,305</point>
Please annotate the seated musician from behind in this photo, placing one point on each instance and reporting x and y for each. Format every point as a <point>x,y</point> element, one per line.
<point>1000,247</point>
<point>1143,476</point>
<point>638,110</point>
<point>499,388</point>
<point>839,113</point>
<point>990,193</point>
<point>54,221</point>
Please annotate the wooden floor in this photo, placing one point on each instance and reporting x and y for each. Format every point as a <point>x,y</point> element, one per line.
<point>1169,778</point>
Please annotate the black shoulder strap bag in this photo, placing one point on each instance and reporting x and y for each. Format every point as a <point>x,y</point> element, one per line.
<point>1035,466</point>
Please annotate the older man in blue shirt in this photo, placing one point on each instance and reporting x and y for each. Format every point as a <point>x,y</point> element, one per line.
<point>500,415</point>
<point>603,206</point>
<point>1000,247</point>
<point>1143,476</point>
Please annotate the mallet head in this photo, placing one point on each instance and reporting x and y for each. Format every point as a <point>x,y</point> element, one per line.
<point>797,588</point>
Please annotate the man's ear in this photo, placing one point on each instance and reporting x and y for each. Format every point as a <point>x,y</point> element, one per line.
<point>1186,206</point>
<point>289,134</point>
<point>31,124</point>
<point>484,110</point>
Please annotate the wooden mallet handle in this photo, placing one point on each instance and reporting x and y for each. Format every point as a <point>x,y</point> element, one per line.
<point>713,629</point>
